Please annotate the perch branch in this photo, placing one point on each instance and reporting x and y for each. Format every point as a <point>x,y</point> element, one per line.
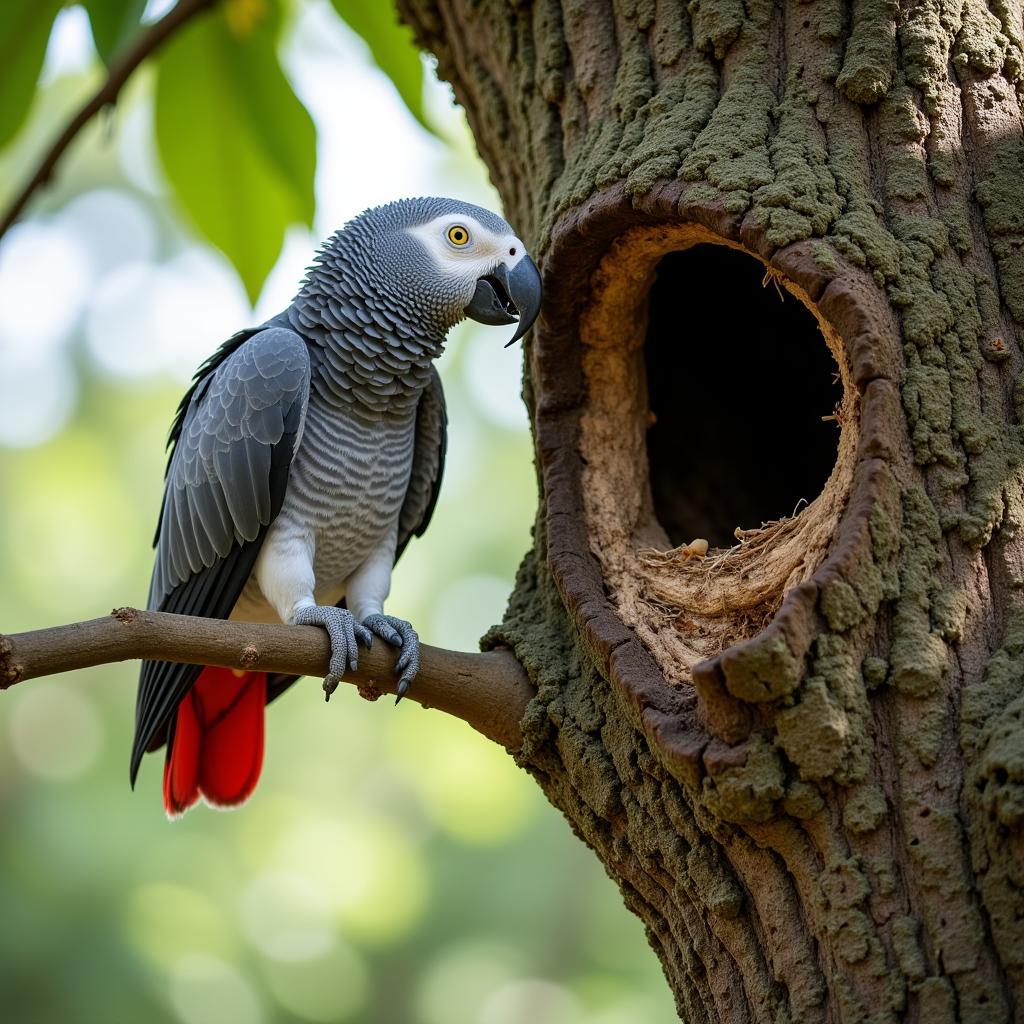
<point>489,691</point>
<point>147,43</point>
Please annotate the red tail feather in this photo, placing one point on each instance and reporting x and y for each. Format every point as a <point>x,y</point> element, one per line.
<point>217,749</point>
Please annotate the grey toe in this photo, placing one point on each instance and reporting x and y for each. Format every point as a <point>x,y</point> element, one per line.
<point>398,633</point>
<point>343,631</point>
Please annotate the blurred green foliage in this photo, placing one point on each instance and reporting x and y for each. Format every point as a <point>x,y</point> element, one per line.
<point>391,45</point>
<point>254,149</point>
<point>24,30</point>
<point>393,866</point>
<point>242,166</point>
<point>114,23</point>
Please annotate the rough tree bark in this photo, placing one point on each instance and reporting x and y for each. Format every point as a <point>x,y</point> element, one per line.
<point>801,758</point>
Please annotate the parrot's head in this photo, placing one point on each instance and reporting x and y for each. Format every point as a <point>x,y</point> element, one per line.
<point>444,260</point>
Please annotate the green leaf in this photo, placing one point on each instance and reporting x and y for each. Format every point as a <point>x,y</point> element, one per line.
<point>276,114</point>
<point>236,144</point>
<point>392,45</point>
<point>113,22</point>
<point>24,32</point>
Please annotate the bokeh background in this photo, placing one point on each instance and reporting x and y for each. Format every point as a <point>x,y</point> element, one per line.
<point>393,866</point>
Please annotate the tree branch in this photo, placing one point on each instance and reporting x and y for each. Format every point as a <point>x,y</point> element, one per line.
<point>147,43</point>
<point>488,691</point>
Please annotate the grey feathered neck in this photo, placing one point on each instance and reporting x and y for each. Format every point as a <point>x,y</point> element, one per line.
<point>367,354</point>
<point>371,304</point>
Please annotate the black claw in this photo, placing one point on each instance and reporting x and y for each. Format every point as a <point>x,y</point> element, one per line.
<point>403,689</point>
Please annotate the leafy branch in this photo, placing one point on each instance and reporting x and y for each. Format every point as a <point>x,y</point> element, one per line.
<point>237,145</point>
<point>122,68</point>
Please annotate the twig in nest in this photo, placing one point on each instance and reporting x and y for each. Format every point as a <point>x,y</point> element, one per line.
<point>771,274</point>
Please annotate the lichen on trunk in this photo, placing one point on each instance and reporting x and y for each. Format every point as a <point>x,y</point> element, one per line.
<point>801,758</point>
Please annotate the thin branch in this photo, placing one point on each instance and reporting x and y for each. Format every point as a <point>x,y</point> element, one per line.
<point>147,43</point>
<point>489,691</point>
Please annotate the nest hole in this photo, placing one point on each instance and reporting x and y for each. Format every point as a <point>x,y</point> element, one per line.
<point>743,391</point>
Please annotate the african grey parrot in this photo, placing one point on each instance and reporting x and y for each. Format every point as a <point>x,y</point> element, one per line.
<point>306,454</point>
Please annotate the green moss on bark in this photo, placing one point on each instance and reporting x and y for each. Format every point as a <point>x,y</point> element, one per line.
<point>716,24</point>
<point>814,733</point>
<point>918,657</point>
<point>748,792</point>
<point>865,809</point>
<point>992,719</point>
<point>869,64</point>
<point>763,671</point>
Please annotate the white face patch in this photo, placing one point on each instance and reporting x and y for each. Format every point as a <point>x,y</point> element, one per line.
<point>464,250</point>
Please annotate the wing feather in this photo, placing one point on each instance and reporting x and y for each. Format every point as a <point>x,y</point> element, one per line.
<point>233,439</point>
<point>427,464</point>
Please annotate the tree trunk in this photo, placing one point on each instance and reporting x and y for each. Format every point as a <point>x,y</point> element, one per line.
<point>801,756</point>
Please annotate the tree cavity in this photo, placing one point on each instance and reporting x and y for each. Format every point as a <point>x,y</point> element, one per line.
<point>744,392</point>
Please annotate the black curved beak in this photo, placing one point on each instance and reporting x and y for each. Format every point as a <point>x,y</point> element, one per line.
<point>504,296</point>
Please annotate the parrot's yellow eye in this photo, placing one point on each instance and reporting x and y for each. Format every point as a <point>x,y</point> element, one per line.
<point>458,235</point>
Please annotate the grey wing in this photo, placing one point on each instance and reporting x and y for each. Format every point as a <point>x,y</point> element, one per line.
<point>220,488</point>
<point>226,482</point>
<point>427,464</point>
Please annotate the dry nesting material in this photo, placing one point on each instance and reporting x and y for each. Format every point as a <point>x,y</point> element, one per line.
<point>685,604</point>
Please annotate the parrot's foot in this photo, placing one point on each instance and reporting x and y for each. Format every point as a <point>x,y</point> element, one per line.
<point>343,630</point>
<point>398,633</point>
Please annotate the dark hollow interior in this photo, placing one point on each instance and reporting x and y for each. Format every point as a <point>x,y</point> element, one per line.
<point>739,379</point>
